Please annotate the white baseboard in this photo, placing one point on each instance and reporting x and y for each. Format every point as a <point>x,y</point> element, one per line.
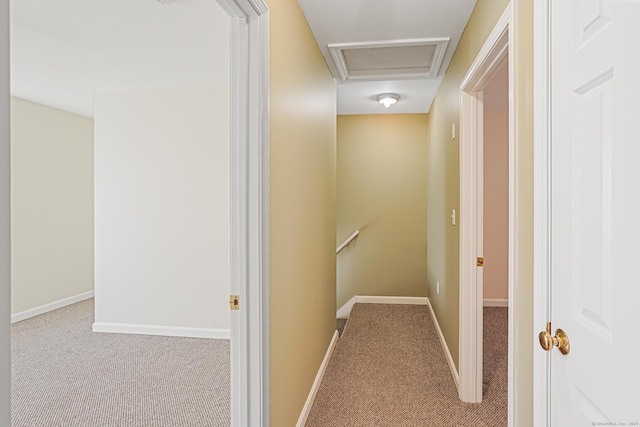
<point>345,310</point>
<point>445,348</point>
<point>488,302</point>
<point>306,409</point>
<point>32,312</point>
<point>167,331</point>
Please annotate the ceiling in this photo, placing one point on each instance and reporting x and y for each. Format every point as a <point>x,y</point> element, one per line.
<point>61,51</point>
<point>396,40</point>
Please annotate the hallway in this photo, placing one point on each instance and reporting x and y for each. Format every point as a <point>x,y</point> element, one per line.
<point>388,369</point>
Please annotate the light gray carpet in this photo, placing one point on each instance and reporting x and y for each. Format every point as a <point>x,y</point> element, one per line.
<point>65,375</point>
<point>388,369</point>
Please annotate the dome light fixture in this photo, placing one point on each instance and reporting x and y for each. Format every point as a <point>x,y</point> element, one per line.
<point>388,99</point>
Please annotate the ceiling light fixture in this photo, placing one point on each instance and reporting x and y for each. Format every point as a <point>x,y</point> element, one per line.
<point>388,99</point>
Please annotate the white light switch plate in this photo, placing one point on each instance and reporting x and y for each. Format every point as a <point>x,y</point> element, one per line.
<point>453,217</point>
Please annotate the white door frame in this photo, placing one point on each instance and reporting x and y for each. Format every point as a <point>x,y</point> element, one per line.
<point>541,208</point>
<point>5,229</point>
<point>249,212</point>
<point>498,48</point>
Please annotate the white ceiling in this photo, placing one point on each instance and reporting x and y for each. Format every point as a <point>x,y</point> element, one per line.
<point>62,50</point>
<point>358,21</point>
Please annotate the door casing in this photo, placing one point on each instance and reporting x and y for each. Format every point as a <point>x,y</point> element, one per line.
<point>541,214</point>
<point>5,227</point>
<point>498,48</point>
<point>249,211</point>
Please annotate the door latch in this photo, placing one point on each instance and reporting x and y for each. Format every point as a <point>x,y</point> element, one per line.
<point>234,302</point>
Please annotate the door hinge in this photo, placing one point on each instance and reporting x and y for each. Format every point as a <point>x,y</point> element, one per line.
<point>480,262</point>
<point>234,302</point>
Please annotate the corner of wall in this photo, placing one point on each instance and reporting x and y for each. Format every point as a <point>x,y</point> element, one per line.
<point>52,174</point>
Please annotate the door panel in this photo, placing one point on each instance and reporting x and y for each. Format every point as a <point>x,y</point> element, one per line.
<point>595,207</point>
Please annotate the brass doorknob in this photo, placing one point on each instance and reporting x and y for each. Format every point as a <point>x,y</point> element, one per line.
<point>560,340</point>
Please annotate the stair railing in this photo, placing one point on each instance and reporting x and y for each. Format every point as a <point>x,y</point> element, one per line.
<point>347,242</point>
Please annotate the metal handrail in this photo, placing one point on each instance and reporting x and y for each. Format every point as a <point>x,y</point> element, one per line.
<point>348,241</point>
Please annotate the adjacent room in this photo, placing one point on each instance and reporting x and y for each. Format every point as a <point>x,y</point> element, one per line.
<point>120,213</point>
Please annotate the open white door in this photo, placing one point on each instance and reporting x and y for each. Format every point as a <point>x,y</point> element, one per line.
<point>588,211</point>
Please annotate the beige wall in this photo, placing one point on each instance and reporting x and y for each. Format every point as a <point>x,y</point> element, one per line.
<point>523,335</point>
<point>51,204</point>
<point>303,210</point>
<point>444,174</point>
<point>382,191</point>
<point>496,205</point>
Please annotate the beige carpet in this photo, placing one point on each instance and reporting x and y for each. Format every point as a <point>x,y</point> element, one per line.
<point>388,369</point>
<point>65,375</point>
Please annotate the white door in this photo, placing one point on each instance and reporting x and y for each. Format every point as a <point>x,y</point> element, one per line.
<point>595,211</point>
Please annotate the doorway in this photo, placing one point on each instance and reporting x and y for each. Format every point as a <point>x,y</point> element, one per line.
<point>495,235</point>
<point>495,198</point>
<point>249,211</point>
<point>496,55</point>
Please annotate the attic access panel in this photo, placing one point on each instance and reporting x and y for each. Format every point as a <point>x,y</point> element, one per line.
<point>394,59</point>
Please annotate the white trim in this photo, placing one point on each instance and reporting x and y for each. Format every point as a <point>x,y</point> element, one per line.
<point>513,226</point>
<point>166,331</point>
<point>5,220</point>
<point>445,348</point>
<point>494,52</point>
<point>367,299</point>
<point>249,211</point>
<point>495,302</point>
<point>542,207</point>
<point>306,409</point>
<point>345,310</point>
<point>337,53</point>
<point>46,308</point>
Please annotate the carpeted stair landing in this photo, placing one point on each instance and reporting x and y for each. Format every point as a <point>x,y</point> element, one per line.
<point>389,369</point>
